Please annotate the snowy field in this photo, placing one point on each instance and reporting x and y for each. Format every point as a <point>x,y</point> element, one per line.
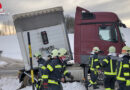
<point>11,83</point>
<point>10,47</point>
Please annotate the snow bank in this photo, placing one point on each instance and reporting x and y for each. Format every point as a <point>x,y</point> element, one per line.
<point>12,83</point>
<point>2,63</point>
<point>73,86</point>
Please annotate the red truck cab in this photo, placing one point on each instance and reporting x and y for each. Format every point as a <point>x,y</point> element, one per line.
<point>92,29</point>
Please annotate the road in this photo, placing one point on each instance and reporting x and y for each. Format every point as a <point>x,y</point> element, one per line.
<point>12,66</point>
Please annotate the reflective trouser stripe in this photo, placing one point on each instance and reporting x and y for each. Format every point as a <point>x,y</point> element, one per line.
<point>126,65</point>
<point>126,74</point>
<point>65,72</point>
<point>120,78</point>
<point>52,82</point>
<point>50,67</point>
<point>37,86</point>
<point>45,76</point>
<point>110,73</point>
<point>127,82</point>
<point>107,88</point>
<point>92,82</point>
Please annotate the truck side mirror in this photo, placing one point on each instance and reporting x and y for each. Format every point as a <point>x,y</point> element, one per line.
<point>122,25</point>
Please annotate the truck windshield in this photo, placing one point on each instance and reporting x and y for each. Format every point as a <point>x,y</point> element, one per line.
<point>121,35</point>
<point>108,33</point>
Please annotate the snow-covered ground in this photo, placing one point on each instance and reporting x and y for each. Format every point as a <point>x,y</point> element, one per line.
<point>3,63</point>
<point>12,83</point>
<point>10,47</point>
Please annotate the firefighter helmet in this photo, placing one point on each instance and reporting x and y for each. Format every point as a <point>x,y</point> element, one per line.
<point>95,49</point>
<point>129,50</point>
<point>54,53</point>
<point>37,54</point>
<point>112,49</point>
<point>125,50</point>
<point>62,52</point>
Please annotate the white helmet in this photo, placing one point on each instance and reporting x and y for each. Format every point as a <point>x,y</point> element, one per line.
<point>125,50</point>
<point>95,49</point>
<point>112,49</point>
<point>54,53</point>
<point>62,52</point>
<point>37,54</point>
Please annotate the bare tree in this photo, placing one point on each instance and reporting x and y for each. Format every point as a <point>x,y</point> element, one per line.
<point>69,23</point>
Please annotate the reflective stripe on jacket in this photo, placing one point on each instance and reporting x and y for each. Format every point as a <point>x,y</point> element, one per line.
<point>94,62</point>
<point>54,71</point>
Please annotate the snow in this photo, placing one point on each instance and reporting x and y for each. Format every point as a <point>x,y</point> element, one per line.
<point>12,83</point>
<point>3,63</point>
<point>9,83</point>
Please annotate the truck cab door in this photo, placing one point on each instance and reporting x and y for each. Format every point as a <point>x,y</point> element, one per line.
<point>109,36</point>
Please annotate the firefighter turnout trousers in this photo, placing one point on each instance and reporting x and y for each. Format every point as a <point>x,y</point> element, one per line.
<point>55,87</point>
<point>94,66</point>
<point>109,82</point>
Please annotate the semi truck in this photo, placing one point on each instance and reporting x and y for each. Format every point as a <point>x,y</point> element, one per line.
<point>48,31</point>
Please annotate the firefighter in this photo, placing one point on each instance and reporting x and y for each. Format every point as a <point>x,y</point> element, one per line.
<point>123,75</point>
<point>41,62</point>
<point>62,52</point>
<point>53,73</point>
<point>94,67</point>
<point>109,65</point>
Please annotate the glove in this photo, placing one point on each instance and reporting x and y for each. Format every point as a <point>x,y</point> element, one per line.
<point>127,82</point>
<point>63,80</point>
<point>45,85</point>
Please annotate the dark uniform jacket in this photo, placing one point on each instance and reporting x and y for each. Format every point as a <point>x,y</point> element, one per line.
<point>41,62</point>
<point>109,65</point>
<point>124,69</point>
<point>94,62</point>
<point>54,71</point>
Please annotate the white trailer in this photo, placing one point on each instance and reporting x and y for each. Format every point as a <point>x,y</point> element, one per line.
<point>47,31</point>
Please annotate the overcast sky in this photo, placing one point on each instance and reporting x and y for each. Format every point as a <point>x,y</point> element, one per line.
<point>120,7</point>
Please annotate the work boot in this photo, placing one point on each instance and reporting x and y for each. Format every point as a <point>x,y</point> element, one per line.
<point>95,86</point>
